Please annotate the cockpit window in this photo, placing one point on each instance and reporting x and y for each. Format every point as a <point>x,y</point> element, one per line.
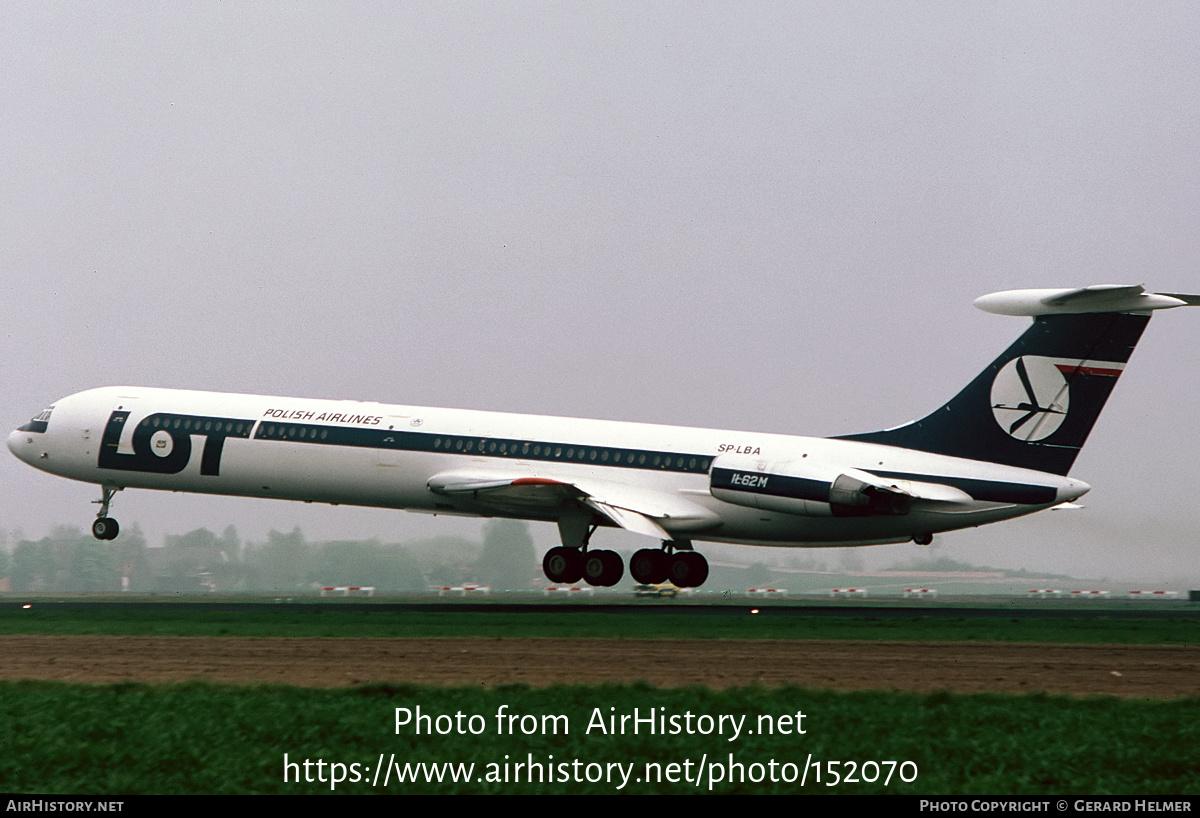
<point>38,424</point>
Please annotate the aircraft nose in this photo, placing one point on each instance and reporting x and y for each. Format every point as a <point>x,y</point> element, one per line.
<point>14,442</point>
<point>22,444</point>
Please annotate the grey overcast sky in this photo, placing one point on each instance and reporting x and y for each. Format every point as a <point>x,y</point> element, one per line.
<point>765,216</point>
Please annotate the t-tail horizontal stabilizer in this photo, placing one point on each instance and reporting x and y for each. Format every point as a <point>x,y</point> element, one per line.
<point>1035,405</point>
<point>1094,299</point>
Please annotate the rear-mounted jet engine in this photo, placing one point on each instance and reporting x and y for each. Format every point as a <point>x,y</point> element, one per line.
<point>811,489</point>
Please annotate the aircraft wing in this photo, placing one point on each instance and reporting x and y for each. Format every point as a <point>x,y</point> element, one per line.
<point>642,511</point>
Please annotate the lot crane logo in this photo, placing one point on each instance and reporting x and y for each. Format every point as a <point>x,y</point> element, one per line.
<point>1030,397</point>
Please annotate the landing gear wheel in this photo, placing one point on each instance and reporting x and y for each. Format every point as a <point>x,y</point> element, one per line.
<point>603,568</point>
<point>922,539</point>
<point>105,528</point>
<point>563,565</point>
<point>649,566</point>
<point>688,570</point>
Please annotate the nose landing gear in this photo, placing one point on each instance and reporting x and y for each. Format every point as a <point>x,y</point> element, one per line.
<point>105,527</point>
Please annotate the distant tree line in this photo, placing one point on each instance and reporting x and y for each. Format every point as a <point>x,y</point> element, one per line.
<point>67,561</point>
<point>72,561</point>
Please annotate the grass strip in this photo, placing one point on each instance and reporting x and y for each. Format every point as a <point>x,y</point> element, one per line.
<point>316,620</point>
<point>199,738</point>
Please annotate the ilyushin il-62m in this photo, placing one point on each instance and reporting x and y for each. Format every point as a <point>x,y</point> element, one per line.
<point>1000,448</point>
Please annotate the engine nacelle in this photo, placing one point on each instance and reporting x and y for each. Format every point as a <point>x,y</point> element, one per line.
<point>816,490</point>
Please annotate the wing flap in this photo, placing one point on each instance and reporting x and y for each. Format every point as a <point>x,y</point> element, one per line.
<point>503,491</point>
<point>642,511</point>
<point>629,520</point>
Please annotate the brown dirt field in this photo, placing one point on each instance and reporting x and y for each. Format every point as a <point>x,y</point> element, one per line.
<point>1082,670</point>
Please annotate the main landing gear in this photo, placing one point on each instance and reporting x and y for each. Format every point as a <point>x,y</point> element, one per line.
<point>572,561</point>
<point>675,561</point>
<point>105,527</point>
<point>650,566</point>
<point>569,565</point>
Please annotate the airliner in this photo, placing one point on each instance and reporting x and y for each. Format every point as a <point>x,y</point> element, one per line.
<point>1000,448</point>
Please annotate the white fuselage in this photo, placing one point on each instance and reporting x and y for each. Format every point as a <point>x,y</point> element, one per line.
<point>372,454</point>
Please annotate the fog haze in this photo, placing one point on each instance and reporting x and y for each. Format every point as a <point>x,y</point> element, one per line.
<point>768,216</point>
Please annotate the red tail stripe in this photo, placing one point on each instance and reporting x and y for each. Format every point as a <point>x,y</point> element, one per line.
<point>1067,369</point>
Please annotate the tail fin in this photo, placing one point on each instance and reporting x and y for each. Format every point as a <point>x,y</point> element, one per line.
<point>1035,405</point>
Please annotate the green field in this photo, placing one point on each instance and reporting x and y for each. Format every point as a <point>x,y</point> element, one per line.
<point>202,738</point>
<point>198,738</point>
<point>719,622</point>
